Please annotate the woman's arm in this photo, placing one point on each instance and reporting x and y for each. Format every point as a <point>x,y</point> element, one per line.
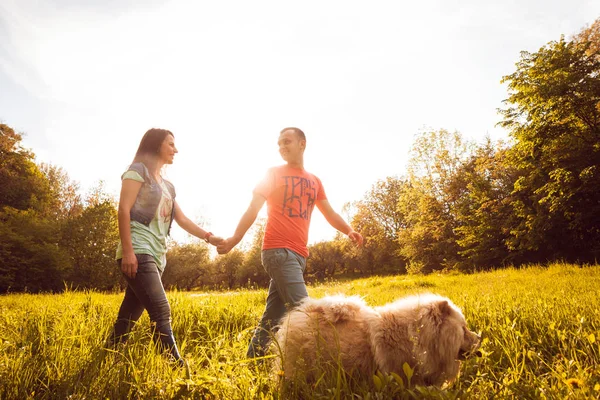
<point>129,192</point>
<point>192,228</point>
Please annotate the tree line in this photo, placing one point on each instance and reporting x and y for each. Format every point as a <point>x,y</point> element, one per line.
<point>460,205</point>
<point>465,206</point>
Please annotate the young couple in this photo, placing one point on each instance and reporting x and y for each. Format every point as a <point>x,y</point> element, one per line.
<point>147,208</point>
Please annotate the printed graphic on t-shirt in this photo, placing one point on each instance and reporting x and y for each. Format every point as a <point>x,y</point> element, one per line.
<point>165,210</point>
<point>166,205</point>
<point>298,191</point>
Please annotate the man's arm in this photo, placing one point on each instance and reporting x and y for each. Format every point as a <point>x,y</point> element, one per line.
<point>245,223</point>
<point>338,222</point>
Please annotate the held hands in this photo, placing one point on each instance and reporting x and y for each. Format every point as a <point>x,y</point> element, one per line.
<point>355,237</point>
<point>215,240</point>
<point>226,245</point>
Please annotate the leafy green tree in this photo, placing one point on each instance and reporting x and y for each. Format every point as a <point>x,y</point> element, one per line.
<point>326,259</point>
<point>428,239</point>
<point>483,187</point>
<point>91,240</point>
<point>187,266</point>
<point>48,234</point>
<point>435,156</point>
<point>227,266</point>
<point>64,199</point>
<point>30,258</point>
<point>553,115</point>
<point>376,247</point>
<point>590,37</point>
<point>379,220</point>
<point>23,185</point>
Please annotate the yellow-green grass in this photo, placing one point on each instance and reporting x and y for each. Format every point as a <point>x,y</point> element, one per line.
<point>540,328</point>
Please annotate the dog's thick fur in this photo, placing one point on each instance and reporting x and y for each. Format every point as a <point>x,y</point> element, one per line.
<point>426,331</point>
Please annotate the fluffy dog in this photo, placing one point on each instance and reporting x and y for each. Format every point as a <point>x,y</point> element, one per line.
<point>426,331</point>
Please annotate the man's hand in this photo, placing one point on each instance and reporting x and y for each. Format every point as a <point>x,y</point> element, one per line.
<point>129,265</point>
<point>356,237</point>
<point>226,245</point>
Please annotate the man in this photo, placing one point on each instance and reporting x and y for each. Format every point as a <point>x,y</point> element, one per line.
<point>291,194</point>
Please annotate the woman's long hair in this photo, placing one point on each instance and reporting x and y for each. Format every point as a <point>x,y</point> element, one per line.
<point>150,145</point>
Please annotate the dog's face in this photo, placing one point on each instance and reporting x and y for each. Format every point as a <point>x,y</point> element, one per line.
<point>470,344</point>
<point>459,342</point>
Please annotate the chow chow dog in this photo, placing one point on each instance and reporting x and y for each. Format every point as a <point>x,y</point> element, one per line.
<point>427,331</point>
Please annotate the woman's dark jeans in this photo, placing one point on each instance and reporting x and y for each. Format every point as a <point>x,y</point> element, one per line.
<point>146,292</point>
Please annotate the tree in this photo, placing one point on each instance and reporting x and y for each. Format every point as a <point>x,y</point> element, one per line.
<point>91,239</point>
<point>483,187</point>
<point>428,240</point>
<point>553,115</point>
<point>379,219</point>
<point>30,258</point>
<point>435,158</point>
<point>64,200</point>
<point>590,37</point>
<point>187,265</point>
<point>227,267</point>
<point>23,184</point>
<point>326,259</point>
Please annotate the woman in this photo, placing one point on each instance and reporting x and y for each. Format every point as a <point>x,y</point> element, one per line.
<point>147,208</point>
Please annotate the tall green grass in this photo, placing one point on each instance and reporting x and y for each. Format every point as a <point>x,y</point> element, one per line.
<point>540,328</point>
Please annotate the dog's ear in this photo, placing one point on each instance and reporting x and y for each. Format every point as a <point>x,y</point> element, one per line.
<point>440,310</point>
<point>444,307</point>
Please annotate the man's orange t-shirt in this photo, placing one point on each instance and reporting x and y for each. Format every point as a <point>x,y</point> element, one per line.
<point>291,194</point>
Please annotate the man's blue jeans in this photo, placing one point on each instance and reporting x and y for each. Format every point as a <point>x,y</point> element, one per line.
<point>146,292</point>
<point>286,289</point>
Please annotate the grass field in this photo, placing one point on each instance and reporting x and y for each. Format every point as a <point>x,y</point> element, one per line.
<point>541,330</point>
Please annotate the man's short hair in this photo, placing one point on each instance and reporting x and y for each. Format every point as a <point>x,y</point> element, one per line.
<point>297,131</point>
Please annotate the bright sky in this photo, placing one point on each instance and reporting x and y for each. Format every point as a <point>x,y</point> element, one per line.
<point>83,80</point>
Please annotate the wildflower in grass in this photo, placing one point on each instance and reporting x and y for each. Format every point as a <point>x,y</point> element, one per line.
<point>574,383</point>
